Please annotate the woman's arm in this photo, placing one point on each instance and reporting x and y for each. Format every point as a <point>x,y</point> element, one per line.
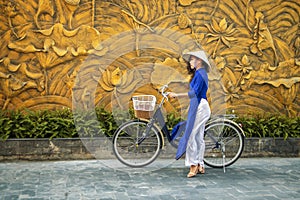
<point>173,94</point>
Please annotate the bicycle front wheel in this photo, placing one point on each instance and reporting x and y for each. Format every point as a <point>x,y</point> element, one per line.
<point>224,143</point>
<point>135,147</point>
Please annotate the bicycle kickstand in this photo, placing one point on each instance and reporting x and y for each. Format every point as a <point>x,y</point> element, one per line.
<point>224,163</point>
<point>223,155</point>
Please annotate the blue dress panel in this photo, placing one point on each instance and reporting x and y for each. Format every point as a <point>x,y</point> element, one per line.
<point>197,91</point>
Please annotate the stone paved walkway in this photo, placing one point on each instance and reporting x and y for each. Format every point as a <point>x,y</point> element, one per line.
<point>249,178</point>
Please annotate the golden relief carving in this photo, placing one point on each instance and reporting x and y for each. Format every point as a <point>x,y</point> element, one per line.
<point>220,33</point>
<point>262,37</point>
<point>54,52</point>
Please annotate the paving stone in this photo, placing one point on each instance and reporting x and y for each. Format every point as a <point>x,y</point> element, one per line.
<point>248,178</point>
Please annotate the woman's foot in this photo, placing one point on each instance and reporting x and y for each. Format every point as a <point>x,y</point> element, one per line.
<point>201,169</point>
<point>193,171</point>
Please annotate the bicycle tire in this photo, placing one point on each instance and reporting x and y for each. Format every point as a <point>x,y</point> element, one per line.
<point>226,134</point>
<point>128,152</point>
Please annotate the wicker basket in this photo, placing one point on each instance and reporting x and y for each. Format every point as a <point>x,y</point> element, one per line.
<point>143,106</point>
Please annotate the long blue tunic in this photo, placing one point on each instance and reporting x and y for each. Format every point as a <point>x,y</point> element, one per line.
<point>197,91</point>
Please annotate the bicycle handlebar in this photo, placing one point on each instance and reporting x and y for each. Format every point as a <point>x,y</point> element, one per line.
<point>163,93</point>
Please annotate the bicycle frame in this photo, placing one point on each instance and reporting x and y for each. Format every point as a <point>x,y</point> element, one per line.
<point>159,118</point>
<point>157,126</point>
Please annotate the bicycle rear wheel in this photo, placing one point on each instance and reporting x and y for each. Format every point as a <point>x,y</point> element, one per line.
<point>133,146</point>
<point>224,143</point>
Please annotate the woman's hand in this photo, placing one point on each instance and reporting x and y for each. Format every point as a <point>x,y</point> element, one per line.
<point>172,94</point>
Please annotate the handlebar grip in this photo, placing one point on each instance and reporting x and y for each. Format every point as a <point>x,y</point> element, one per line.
<point>165,95</point>
<point>163,88</point>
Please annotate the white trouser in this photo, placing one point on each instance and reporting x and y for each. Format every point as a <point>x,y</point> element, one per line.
<point>196,145</point>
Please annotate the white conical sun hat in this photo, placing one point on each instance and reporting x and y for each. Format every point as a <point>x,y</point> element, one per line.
<point>199,54</point>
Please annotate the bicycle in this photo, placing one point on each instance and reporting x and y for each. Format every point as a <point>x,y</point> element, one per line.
<point>138,142</point>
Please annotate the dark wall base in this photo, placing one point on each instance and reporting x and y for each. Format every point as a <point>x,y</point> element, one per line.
<point>74,149</point>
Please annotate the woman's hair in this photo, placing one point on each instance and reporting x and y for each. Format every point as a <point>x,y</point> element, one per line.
<point>192,71</point>
<point>189,69</point>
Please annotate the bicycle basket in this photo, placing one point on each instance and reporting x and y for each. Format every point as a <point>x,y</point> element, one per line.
<point>143,105</point>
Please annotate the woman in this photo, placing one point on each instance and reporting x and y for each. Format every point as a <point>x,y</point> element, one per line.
<point>199,112</point>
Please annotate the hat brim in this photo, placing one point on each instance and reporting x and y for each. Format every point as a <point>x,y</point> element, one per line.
<point>198,54</point>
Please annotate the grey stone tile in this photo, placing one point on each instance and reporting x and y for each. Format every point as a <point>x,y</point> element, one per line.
<point>248,178</point>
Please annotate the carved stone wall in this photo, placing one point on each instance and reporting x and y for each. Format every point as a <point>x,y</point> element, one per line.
<point>57,53</point>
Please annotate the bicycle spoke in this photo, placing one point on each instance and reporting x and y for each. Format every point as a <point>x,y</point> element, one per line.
<point>134,147</point>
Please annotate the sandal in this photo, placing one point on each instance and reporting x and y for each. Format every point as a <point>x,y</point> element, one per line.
<point>201,169</point>
<point>193,171</point>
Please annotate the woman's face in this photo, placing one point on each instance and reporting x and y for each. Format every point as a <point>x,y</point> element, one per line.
<point>195,62</point>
